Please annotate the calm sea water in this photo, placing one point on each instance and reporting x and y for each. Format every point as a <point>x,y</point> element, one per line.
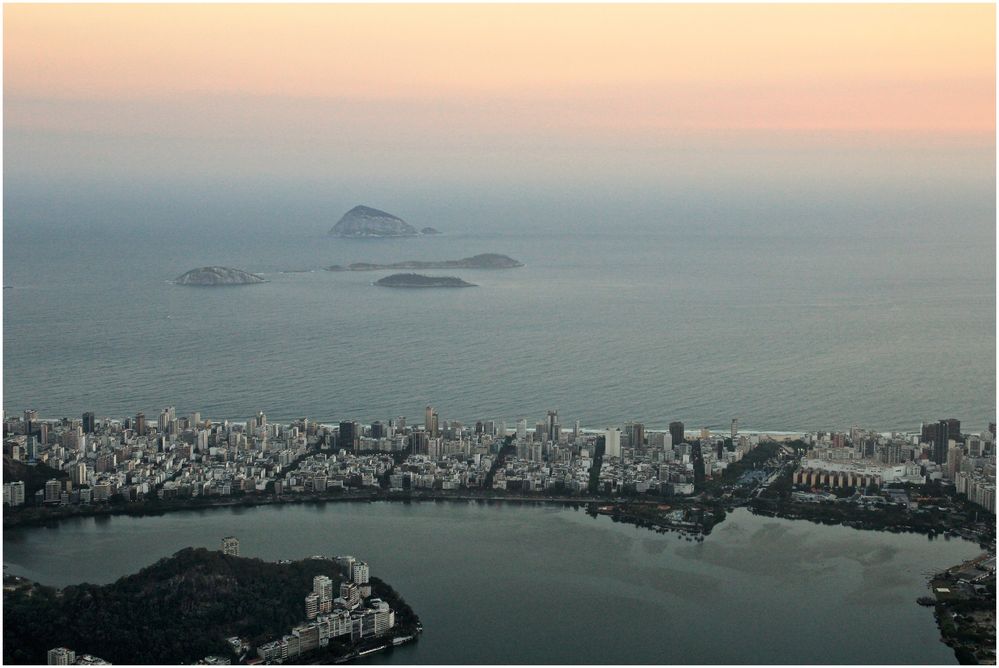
<point>785,330</point>
<point>520,584</point>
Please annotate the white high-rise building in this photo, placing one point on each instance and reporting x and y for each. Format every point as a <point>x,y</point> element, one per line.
<point>13,493</point>
<point>435,448</point>
<point>230,546</point>
<point>350,593</point>
<point>521,429</point>
<point>322,586</point>
<point>80,474</point>
<point>552,426</point>
<point>359,572</point>
<point>311,606</point>
<point>612,442</point>
<point>61,656</point>
<point>346,564</point>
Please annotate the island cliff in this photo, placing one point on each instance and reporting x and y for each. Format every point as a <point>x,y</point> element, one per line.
<point>481,261</point>
<point>211,276</point>
<point>420,281</point>
<point>363,221</point>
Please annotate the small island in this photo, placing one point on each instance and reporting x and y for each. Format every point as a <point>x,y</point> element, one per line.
<point>364,221</point>
<point>429,230</point>
<point>215,276</point>
<point>480,261</point>
<point>421,281</point>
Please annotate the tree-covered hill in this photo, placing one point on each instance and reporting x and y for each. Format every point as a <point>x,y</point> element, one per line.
<point>34,476</point>
<point>178,610</point>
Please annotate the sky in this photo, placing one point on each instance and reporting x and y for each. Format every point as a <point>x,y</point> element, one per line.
<point>406,102</point>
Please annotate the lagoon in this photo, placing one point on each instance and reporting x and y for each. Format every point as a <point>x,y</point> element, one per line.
<point>499,583</point>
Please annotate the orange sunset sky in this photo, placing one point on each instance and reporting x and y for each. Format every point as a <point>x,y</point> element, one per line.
<point>181,87</point>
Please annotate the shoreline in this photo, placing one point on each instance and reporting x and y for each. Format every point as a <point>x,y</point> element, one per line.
<point>961,632</point>
<point>862,521</point>
<point>778,435</point>
<point>11,520</point>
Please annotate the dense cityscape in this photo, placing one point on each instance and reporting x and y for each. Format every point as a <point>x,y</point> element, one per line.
<point>107,461</point>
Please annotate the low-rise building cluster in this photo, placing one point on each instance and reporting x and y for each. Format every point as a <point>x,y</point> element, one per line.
<point>862,459</point>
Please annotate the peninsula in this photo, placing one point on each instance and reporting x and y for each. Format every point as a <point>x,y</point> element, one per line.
<point>212,607</point>
<point>214,276</point>
<point>364,221</point>
<point>481,261</point>
<point>421,281</point>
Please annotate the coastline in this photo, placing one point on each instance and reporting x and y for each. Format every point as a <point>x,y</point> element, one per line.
<point>15,520</point>
<point>778,435</point>
<point>958,610</point>
<point>621,509</point>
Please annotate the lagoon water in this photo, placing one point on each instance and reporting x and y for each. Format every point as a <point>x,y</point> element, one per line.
<point>790,328</point>
<point>544,584</point>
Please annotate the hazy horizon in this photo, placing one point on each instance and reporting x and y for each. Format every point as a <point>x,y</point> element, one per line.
<point>727,119</point>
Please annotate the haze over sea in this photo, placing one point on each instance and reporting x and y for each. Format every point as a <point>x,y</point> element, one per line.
<point>791,310</point>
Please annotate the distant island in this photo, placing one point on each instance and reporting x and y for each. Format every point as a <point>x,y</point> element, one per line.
<point>481,261</point>
<point>200,603</point>
<point>213,276</point>
<point>364,222</point>
<point>429,230</point>
<point>421,281</point>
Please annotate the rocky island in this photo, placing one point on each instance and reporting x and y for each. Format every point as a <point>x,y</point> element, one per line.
<point>363,221</point>
<point>212,276</point>
<point>429,230</point>
<point>481,261</point>
<point>421,281</point>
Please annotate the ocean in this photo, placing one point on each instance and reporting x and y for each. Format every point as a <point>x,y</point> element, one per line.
<point>786,327</point>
